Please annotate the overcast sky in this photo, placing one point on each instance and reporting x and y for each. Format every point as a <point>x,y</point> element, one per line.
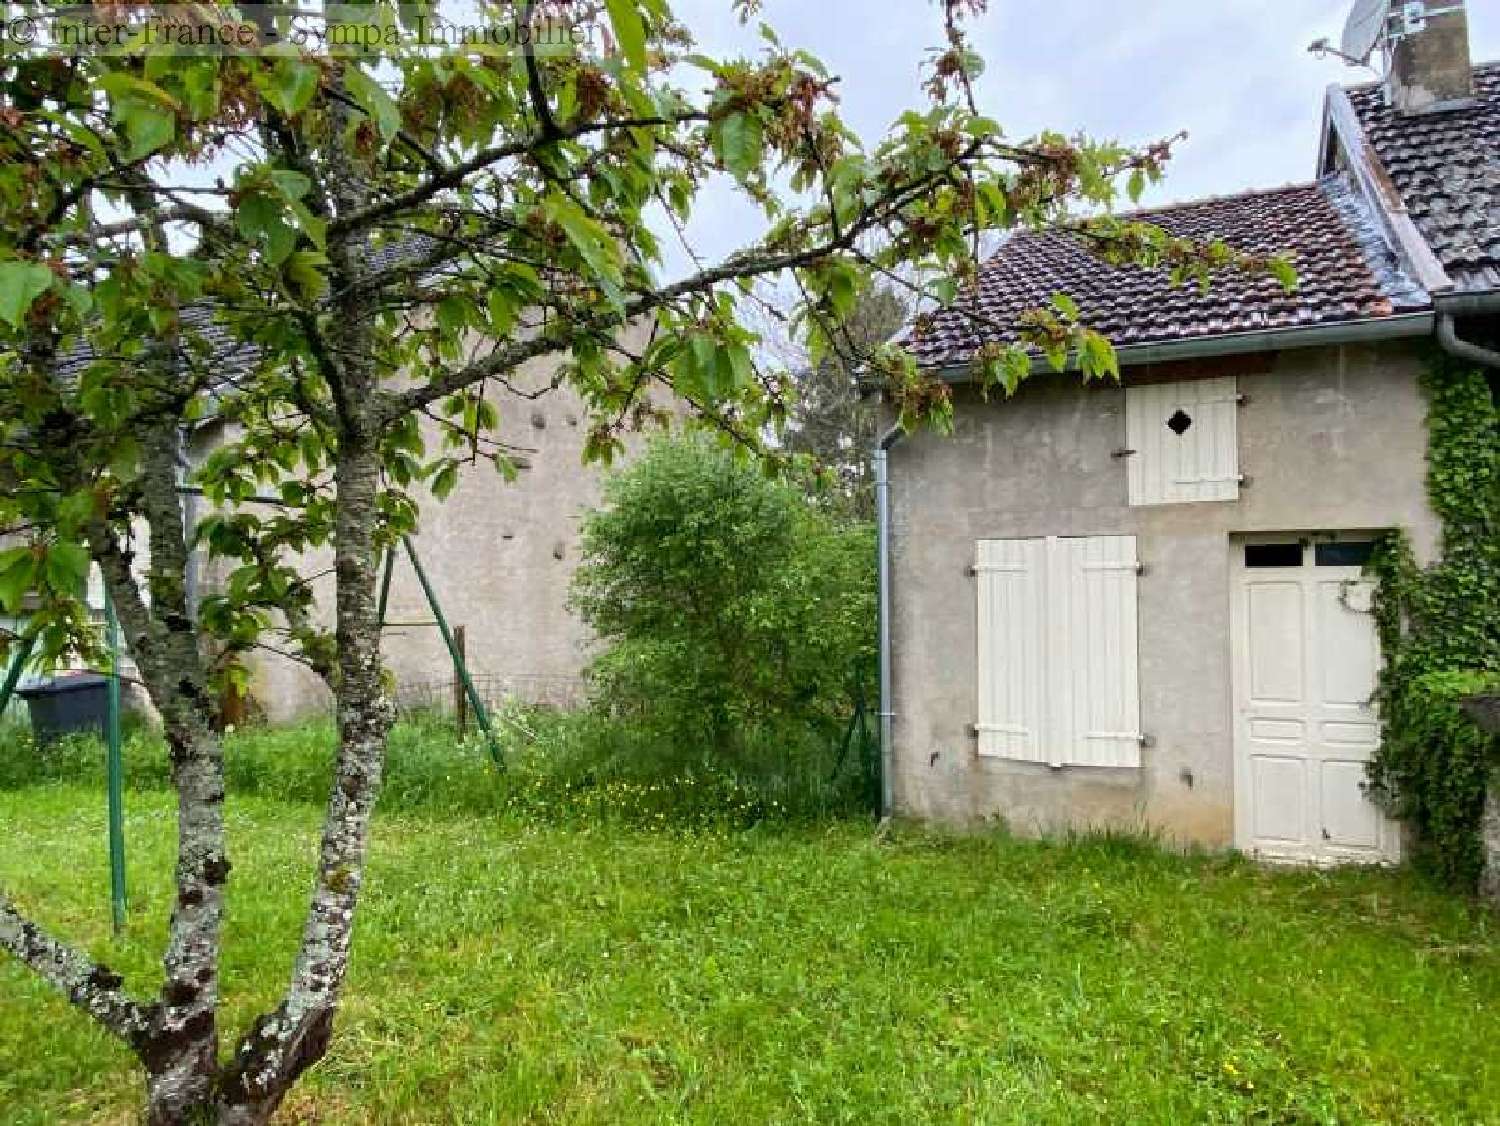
<point>1236,74</point>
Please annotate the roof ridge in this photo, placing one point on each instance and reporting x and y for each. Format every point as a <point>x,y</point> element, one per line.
<point>1221,197</point>
<point>1487,65</point>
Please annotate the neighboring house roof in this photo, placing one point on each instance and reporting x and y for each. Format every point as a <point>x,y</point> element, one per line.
<point>218,347</point>
<point>1446,167</point>
<point>229,357</point>
<point>1346,272</point>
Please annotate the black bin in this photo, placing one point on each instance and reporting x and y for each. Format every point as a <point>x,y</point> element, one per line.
<point>79,702</point>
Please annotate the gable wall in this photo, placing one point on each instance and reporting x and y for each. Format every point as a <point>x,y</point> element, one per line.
<point>500,555</point>
<point>1331,439</point>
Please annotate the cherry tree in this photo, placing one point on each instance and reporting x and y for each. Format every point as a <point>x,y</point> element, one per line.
<point>395,232</point>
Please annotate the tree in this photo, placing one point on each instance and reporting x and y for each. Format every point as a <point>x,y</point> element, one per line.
<point>833,421</point>
<point>402,230</point>
<point>734,614</point>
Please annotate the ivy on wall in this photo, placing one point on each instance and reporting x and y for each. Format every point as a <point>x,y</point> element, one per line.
<point>1440,633</point>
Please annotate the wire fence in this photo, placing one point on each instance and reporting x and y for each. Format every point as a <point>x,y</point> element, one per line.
<point>564,693</point>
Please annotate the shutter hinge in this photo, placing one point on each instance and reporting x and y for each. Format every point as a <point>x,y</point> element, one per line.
<point>1240,398</point>
<point>1245,480</point>
<point>1122,452</point>
<point>1140,568</point>
<point>1146,741</point>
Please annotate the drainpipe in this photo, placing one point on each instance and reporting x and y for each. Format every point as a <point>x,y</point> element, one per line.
<point>1447,328</point>
<point>883,555</point>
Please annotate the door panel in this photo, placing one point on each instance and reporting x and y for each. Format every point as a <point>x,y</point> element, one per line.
<point>1306,661</point>
<point>1280,790</point>
<point>1351,649</point>
<point>1275,621</point>
<point>1350,821</point>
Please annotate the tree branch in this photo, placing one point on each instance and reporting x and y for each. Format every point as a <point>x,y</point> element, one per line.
<point>91,986</point>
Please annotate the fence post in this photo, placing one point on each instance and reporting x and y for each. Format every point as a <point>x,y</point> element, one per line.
<point>480,715</point>
<point>115,773</point>
<point>460,697</point>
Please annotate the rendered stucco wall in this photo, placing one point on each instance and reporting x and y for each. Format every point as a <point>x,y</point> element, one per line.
<point>1331,439</point>
<point>501,556</point>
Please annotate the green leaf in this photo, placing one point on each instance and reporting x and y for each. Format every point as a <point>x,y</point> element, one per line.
<point>17,573</point>
<point>502,309</point>
<point>1283,271</point>
<point>147,127</point>
<point>21,283</point>
<point>122,87</point>
<point>67,567</point>
<point>289,85</point>
<point>1014,368</point>
<point>262,218</point>
<point>292,185</point>
<point>738,140</point>
<point>374,100</point>
<point>444,481</point>
<point>630,31</point>
<point>304,272</point>
<point>593,244</point>
<point>453,313</point>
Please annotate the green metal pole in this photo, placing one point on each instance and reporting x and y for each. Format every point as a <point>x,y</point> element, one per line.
<point>480,713</point>
<point>385,582</point>
<point>13,674</point>
<point>116,773</point>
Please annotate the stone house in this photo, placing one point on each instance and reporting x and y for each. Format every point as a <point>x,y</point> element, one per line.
<point>500,555</point>
<point>1141,604</point>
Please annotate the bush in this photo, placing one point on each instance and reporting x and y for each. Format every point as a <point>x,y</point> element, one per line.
<point>1434,765</point>
<point>737,618</point>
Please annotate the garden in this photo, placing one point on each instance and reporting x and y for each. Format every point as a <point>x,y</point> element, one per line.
<point>556,945</point>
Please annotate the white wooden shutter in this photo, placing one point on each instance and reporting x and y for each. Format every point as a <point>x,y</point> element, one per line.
<point>1057,650</point>
<point>1092,686</point>
<point>1009,577</point>
<point>1200,463</point>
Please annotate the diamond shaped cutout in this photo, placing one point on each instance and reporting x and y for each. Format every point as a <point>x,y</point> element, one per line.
<point>1179,422</point>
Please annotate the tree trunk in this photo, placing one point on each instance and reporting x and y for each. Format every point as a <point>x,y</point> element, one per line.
<point>179,1046</point>
<point>288,1041</point>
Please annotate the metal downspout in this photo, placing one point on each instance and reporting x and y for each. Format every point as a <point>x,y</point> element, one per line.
<point>1455,345</point>
<point>883,555</point>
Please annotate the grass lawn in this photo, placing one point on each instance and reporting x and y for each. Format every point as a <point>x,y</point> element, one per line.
<point>510,972</point>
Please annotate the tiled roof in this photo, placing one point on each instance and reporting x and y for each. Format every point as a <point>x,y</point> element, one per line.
<point>1446,166</point>
<point>217,347</point>
<point>1345,272</point>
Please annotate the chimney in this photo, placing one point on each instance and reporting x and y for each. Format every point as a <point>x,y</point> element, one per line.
<point>1429,55</point>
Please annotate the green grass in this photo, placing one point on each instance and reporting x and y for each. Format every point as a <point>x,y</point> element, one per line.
<point>567,768</point>
<point>510,969</point>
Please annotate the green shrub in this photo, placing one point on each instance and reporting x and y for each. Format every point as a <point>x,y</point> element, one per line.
<point>737,618</point>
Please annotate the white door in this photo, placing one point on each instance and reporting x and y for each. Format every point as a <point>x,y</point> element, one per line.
<point>1306,657</point>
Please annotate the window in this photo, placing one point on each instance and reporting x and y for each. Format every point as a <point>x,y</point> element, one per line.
<point>1345,553</point>
<point>1183,441</point>
<point>1273,554</point>
<point>1057,650</point>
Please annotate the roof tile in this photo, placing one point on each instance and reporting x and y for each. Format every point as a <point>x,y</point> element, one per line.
<point>1446,166</point>
<point>1345,272</point>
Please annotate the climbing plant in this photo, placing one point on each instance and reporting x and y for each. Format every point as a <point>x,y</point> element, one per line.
<point>1439,634</point>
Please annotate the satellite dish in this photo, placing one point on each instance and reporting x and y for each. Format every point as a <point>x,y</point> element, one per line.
<point>1364,29</point>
